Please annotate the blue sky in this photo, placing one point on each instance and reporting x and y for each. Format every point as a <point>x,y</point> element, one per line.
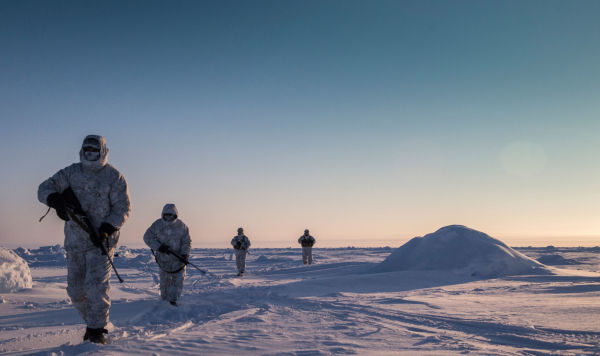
<point>362,120</point>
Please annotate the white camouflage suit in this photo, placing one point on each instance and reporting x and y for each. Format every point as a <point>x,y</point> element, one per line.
<point>307,242</point>
<point>175,234</point>
<point>103,194</point>
<point>240,252</point>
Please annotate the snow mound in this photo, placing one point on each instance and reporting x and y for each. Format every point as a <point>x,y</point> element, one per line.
<point>129,259</point>
<point>14,272</point>
<point>457,247</point>
<point>557,260</point>
<point>264,259</point>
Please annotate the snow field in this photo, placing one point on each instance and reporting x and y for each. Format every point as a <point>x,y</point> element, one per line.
<point>338,306</point>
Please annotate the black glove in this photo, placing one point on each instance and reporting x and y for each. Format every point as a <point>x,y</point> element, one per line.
<point>57,202</point>
<point>238,245</point>
<point>163,248</point>
<point>106,229</point>
<point>104,232</point>
<point>185,259</point>
<point>99,240</point>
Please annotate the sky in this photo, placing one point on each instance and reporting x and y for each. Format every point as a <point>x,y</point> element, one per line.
<point>368,122</point>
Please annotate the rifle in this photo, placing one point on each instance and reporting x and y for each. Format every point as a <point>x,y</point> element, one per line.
<point>179,257</point>
<point>80,218</point>
<point>185,261</point>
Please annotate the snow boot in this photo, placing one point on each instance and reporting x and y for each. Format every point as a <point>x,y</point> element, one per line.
<point>97,335</point>
<point>86,336</point>
<point>173,303</point>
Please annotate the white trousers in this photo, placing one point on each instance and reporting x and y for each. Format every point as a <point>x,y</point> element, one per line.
<point>307,254</point>
<point>240,259</point>
<point>88,275</point>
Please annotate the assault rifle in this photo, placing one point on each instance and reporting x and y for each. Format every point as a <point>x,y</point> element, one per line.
<point>80,218</point>
<point>183,260</point>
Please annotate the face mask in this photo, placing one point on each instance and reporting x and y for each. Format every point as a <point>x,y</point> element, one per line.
<point>91,156</point>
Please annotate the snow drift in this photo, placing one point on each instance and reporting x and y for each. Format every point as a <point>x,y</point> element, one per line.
<point>460,248</point>
<point>14,272</point>
<point>557,260</point>
<point>270,260</point>
<point>45,256</point>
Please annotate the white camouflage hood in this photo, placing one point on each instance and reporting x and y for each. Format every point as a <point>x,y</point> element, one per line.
<point>101,162</point>
<point>169,209</point>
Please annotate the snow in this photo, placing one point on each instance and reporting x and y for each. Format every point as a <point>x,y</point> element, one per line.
<point>556,260</point>
<point>14,272</point>
<point>337,306</point>
<point>460,248</point>
<point>262,259</point>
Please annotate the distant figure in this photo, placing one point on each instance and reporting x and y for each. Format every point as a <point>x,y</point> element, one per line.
<point>240,244</point>
<point>307,243</point>
<point>169,239</point>
<point>100,191</point>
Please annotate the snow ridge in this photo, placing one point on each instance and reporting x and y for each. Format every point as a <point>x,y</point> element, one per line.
<point>459,248</point>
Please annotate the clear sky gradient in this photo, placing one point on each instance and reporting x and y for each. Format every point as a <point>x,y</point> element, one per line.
<point>369,122</point>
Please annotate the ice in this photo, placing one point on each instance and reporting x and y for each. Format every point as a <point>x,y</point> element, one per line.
<point>14,272</point>
<point>262,259</point>
<point>338,306</point>
<point>461,249</point>
<point>556,260</point>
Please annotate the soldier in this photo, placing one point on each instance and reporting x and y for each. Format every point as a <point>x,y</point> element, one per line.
<point>240,244</point>
<point>169,239</point>
<point>103,196</point>
<point>307,243</point>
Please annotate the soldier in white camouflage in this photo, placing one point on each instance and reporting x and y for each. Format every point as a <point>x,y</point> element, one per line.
<point>169,238</point>
<point>103,195</point>
<point>307,242</point>
<point>240,244</point>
